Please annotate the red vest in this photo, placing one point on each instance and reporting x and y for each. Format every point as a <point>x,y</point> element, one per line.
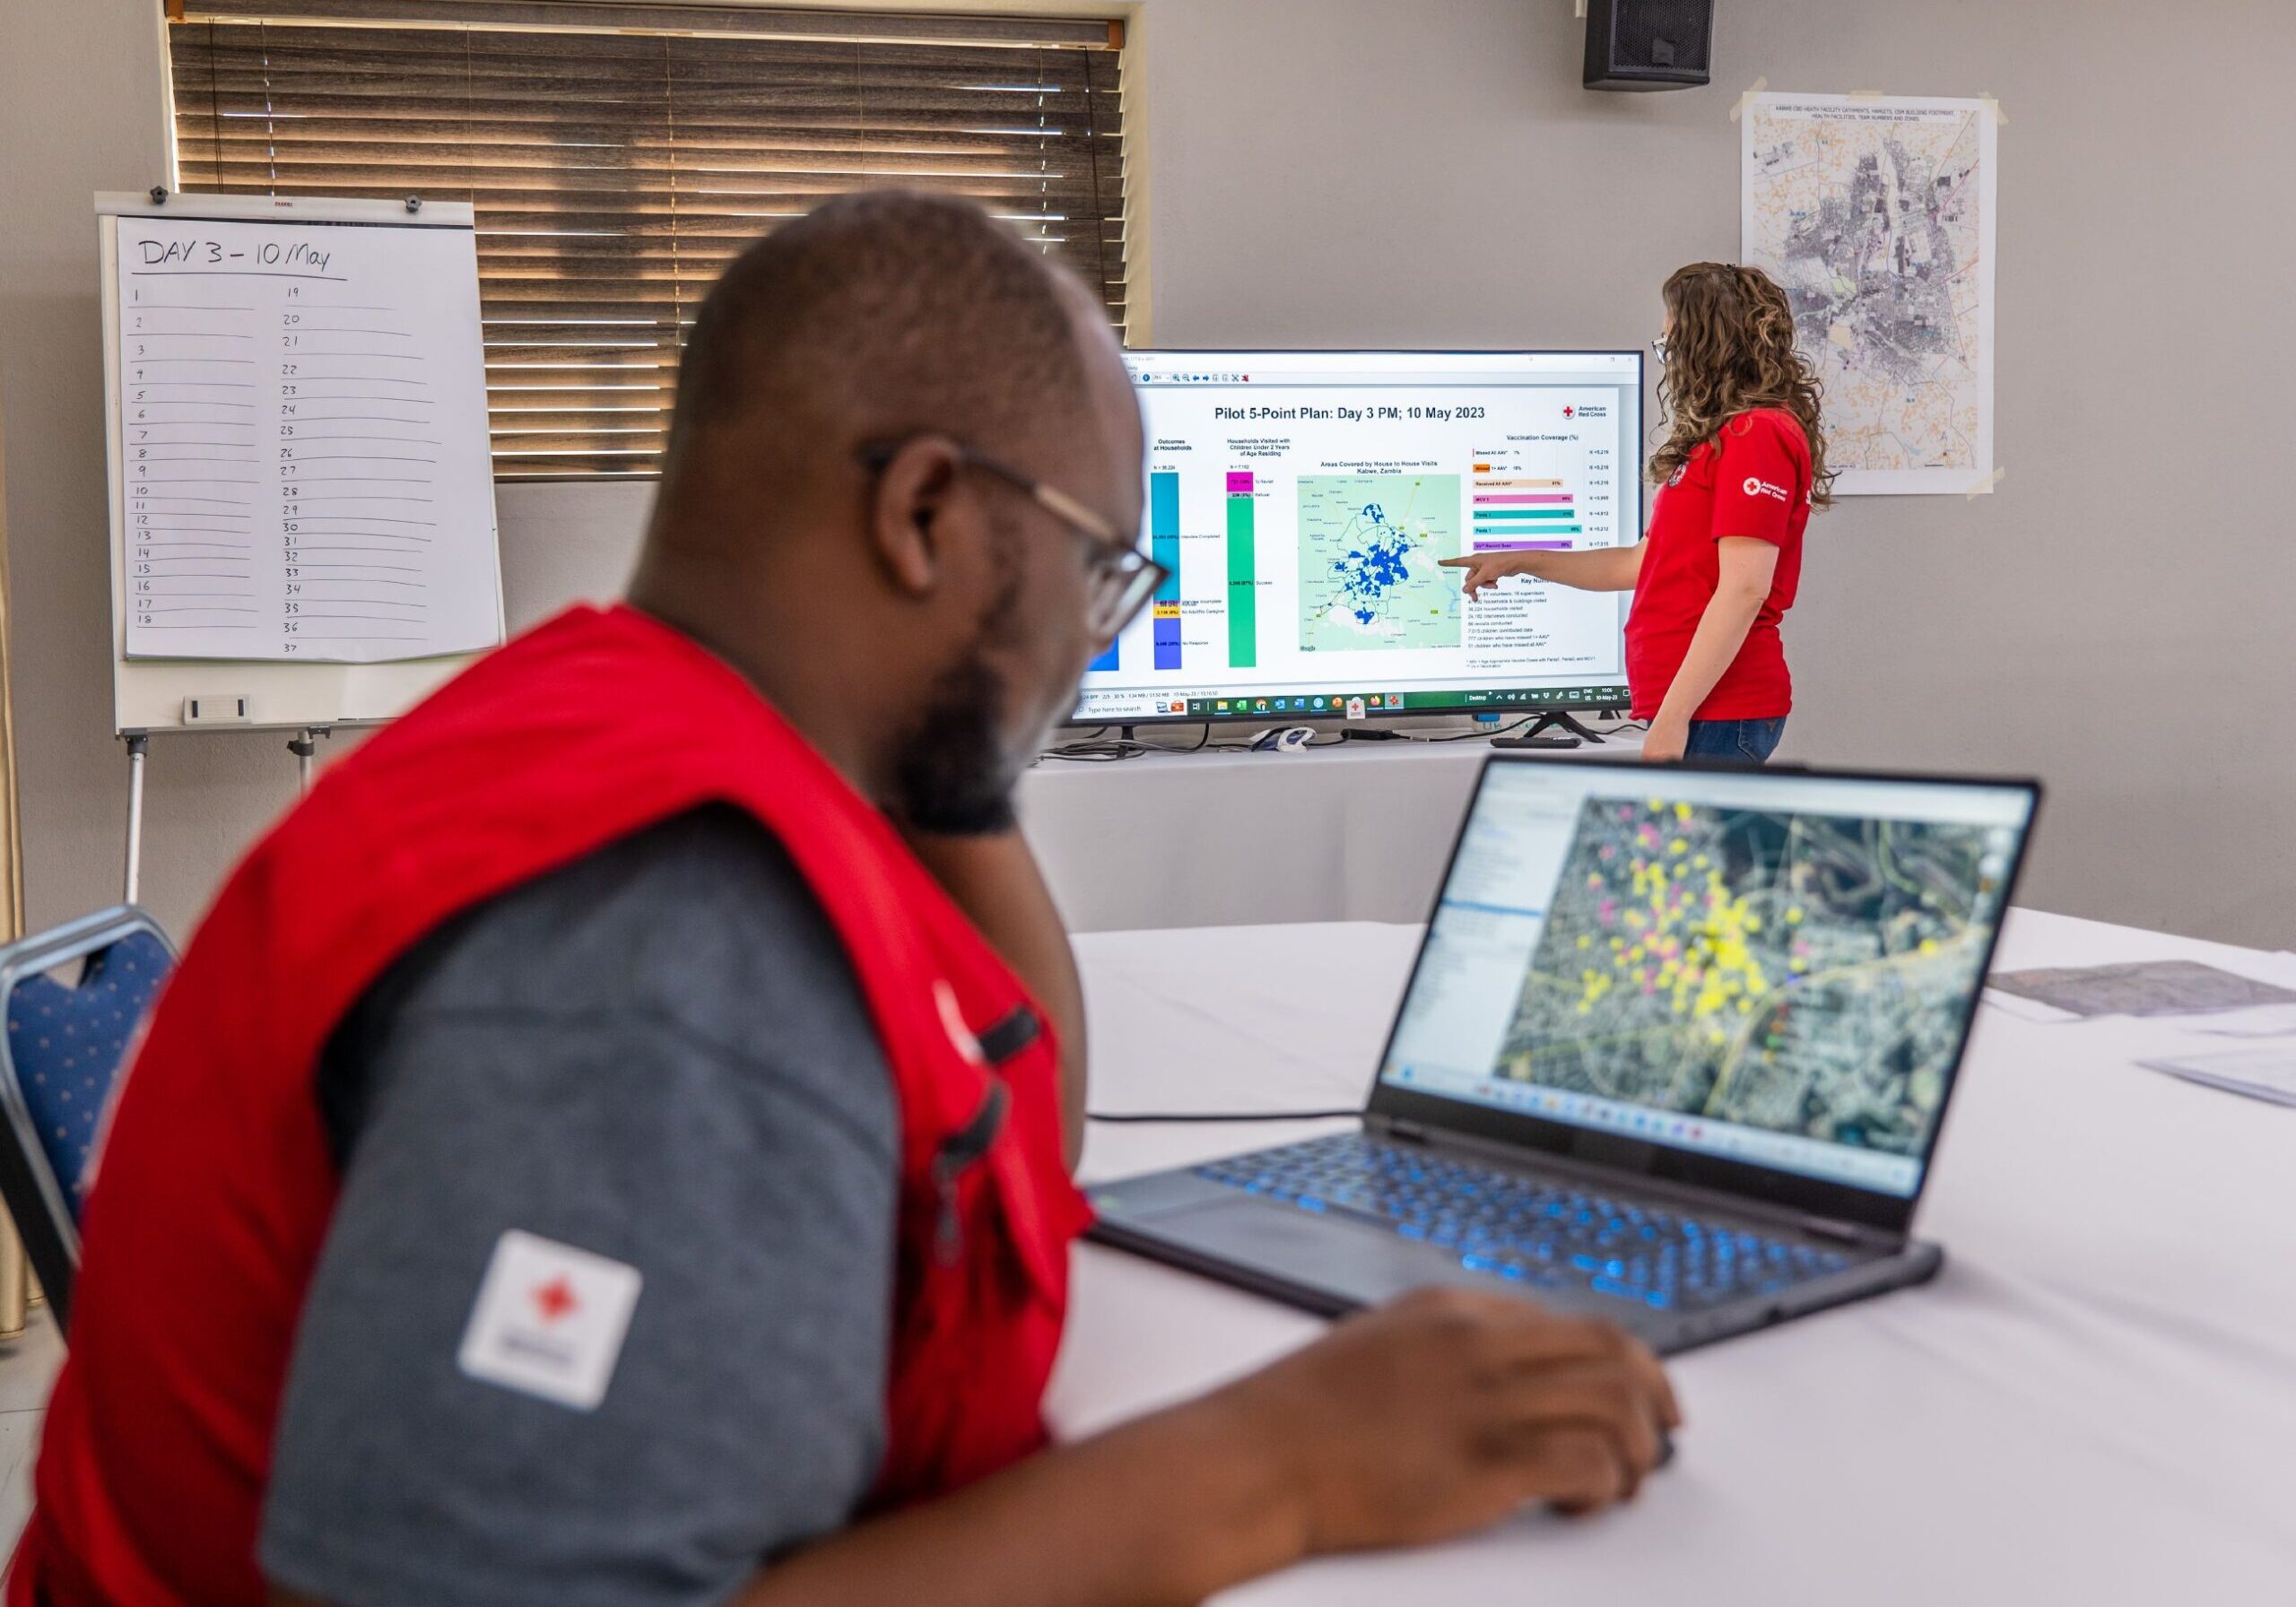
<point>215,1187</point>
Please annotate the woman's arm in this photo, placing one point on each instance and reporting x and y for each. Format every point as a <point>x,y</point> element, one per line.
<point>1599,569</point>
<point>1748,566</point>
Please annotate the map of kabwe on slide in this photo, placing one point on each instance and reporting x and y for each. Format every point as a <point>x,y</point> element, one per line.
<point>1802,973</point>
<point>1875,216</point>
<point>1367,549</point>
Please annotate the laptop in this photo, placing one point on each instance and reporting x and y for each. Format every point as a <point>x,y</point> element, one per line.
<point>1676,1051</point>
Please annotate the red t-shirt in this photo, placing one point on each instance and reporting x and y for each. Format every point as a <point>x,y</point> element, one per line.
<point>1753,480</point>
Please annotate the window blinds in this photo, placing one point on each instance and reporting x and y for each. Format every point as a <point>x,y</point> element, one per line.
<point>617,156</point>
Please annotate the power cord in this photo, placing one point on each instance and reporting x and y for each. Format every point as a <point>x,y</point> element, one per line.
<point>1100,748</point>
<point>1219,1116</point>
<point>1480,734</point>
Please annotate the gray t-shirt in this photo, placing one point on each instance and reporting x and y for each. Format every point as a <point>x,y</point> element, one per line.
<point>658,1056</point>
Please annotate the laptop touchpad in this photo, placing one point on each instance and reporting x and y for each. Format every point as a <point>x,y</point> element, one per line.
<point>1357,1263</point>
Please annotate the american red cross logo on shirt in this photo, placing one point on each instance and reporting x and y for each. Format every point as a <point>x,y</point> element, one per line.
<point>556,1299</point>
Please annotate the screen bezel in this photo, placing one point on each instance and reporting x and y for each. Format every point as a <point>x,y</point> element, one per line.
<point>1815,1197</point>
<point>1424,710</point>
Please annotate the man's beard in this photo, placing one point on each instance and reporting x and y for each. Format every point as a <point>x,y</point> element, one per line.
<point>953,774</point>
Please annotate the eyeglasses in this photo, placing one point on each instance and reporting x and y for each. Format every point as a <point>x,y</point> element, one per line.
<point>1658,344</point>
<point>1119,577</point>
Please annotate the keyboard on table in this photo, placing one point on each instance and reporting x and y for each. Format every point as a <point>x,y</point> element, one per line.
<point>1546,1234</point>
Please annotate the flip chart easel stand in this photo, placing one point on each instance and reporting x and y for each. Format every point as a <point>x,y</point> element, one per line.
<point>305,698</point>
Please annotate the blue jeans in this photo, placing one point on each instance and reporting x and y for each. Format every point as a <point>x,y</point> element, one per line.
<point>1733,742</point>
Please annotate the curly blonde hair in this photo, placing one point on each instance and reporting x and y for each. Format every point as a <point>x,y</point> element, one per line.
<point>1732,349</point>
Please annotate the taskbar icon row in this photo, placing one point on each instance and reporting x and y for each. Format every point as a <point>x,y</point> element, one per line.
<point>1357,706</point>
<point>1351,705</point>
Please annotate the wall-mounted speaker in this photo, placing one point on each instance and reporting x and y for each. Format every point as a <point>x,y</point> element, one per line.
<point>1648,44</point>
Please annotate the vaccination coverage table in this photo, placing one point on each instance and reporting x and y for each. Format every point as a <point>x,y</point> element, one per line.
<point>2094,1403</point>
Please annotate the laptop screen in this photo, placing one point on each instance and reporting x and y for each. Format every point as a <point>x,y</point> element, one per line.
<point>1767,967</point>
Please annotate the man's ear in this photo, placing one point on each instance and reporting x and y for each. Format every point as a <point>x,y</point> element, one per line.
<point>907,513</point>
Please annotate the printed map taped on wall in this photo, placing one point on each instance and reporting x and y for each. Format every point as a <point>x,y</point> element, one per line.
<point>1876,214</point>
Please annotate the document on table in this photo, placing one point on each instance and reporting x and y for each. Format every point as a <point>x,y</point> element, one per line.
<point>2147,988</point>
<point>305,466</point>
<point>2264,1073</point>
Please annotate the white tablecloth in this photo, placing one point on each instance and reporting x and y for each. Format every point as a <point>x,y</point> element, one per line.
<point>1357,832</point>
<point>2095,1402</point>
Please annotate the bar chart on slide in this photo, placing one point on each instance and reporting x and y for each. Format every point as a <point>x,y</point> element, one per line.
<point>1164,547</point>
<point>1243,572</point>
<point>1520,512</point>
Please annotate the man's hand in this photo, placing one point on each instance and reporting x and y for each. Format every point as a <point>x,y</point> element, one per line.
<point>1438,1414</point>
<point>1447,1410</point>
<point>1667,740</point>
<point>996,882</point>
<point>1485,569</point>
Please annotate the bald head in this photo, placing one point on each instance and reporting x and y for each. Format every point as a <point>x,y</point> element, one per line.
<point>844,508</point>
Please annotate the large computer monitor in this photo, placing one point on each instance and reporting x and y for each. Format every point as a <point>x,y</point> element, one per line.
<point>1302,499</point>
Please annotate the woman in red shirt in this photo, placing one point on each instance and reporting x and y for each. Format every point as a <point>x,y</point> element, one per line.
<point>1742,465</point>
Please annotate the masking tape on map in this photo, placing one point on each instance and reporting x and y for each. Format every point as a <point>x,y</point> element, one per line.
<point>1984,488</point>
<point>1866,94</point>
<point>1754,89</point>
<point>2000,118</point>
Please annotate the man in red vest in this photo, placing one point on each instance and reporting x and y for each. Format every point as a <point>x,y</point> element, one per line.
<point>609,1143</point>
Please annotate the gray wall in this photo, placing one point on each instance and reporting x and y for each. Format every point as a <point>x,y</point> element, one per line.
<point>1428,173</point>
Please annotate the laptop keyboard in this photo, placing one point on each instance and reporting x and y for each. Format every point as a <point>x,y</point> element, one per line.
<point>1546,1235</point>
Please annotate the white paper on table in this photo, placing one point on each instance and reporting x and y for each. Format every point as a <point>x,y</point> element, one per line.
<point>2268,1020</point>
<point>2144,990</point>
<point>2267,1073</point>
<point>2027,1010</point>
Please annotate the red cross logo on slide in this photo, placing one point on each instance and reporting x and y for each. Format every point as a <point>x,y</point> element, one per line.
<point>1570,413</point>
<point>556,1299</point>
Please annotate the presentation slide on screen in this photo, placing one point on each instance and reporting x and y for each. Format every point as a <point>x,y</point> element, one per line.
<point>1301,502</point>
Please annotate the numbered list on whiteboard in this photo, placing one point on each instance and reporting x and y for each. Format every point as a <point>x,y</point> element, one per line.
<point>304,451</point>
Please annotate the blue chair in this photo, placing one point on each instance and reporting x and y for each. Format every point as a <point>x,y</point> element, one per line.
<point>63,1048</point>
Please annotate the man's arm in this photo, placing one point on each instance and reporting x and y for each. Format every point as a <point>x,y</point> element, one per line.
<point>648,1077</point>
<point>996,881</point>
<point>1436,1415</point>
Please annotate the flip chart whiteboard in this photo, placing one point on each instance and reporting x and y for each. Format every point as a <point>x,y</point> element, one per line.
<point>302,497</point>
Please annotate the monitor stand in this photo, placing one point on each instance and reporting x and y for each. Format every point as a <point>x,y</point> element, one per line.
<point>1565,721</point>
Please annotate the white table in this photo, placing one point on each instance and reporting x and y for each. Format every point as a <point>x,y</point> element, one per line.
<point>1354,832</point>
<point>2094,1404</point>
